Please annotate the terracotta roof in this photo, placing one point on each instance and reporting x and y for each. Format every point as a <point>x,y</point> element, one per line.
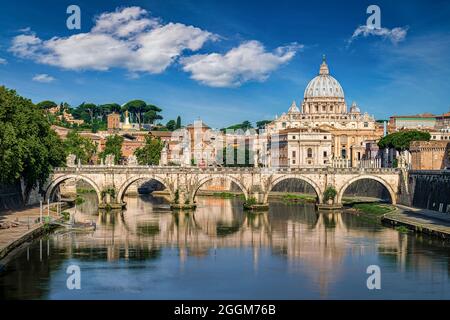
<point>422,115</point>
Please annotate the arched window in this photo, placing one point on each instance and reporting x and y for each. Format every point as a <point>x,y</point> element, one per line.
<point>310,153</point>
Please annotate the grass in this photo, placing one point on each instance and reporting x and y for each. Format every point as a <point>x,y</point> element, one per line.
<point>373,208</point>
<point>298,198</point>
<point>225,195</point>
<point>372,212</point>
<point>85,190</point>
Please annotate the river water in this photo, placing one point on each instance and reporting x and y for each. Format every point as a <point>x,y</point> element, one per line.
<point>222,252</point>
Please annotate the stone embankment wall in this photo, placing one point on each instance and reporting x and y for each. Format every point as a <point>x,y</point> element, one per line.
<point>430,190</point>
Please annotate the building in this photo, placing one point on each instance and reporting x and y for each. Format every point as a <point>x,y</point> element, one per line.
<point>443,121</point>
<point>440,134</point>
<point>67,117</point>
<point>424,121</point>
<point>429,155</point>
<point>113,122</point>
<point>299,148</point>
<point>324,107</point>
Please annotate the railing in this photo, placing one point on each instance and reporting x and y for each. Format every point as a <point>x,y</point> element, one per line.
<point>230,170</point>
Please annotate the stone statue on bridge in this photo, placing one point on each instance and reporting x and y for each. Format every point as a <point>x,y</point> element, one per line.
<point>70,160</point>
<point>132,160</point>
<point>109,160</point>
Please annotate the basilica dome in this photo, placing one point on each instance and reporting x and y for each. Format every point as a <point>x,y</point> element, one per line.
<point>324,85</point>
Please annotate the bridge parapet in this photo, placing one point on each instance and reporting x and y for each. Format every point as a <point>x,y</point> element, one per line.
<point>194,169</point>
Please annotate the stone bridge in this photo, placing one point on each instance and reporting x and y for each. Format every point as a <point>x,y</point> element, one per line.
<point>182,183</point>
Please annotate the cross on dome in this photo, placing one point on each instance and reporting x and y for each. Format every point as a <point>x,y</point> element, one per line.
<point>324,67</point>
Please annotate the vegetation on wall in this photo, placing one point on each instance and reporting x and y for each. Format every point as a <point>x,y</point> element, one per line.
<point>330,193</point>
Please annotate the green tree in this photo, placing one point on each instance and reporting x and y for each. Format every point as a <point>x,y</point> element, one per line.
<point>261,124</point>
<point>82,147</point>
<point>242,126</point>
<point>108,108</point>
<point>29,148</point>
<point>178,125</point>
<point>86,112</point>
<point>401,140</point>
<point>171,125</point>
<point>113,146</point>
<point>46,104</point>
<point>137,108</point>
<point>152,115</point>
<point>150,153</point>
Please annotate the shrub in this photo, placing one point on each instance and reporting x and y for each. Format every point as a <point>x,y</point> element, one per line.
<point>330,193</point>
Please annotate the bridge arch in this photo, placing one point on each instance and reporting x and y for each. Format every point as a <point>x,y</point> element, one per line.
<point>123,188</point>
<point>59,180</point>
<point>383,182</point>
<point>206,179</point>
<point>297,177</point>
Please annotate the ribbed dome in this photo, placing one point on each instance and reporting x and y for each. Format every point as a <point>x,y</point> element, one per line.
<point>324,85</point>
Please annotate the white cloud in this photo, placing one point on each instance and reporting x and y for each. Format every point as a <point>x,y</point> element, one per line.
<point>44,78</point>
<point>25,30</point>
<point>395,35</point>
<point>3,61</point>
<point>126,38</point>
<point>249,61</point>
<point>124,22</point>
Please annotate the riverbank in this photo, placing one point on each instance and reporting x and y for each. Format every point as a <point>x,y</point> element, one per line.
<point>424,221</point>
<point>372,212</point>
<point>25,227</point>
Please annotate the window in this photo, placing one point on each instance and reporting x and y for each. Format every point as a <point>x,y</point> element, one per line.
<point>324,108</point>
<point>294,137</point>
<point>293,154</point>
<point>293,161</point>
<point>317,109</point>
<point>283,124</point>
<point>310,153</point>
<point>325,154</point>
<point>331,108</point>
<point>366,124</point>
<point>324,137</point>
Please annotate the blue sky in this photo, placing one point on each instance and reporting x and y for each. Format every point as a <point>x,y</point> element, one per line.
<point>227,61</point>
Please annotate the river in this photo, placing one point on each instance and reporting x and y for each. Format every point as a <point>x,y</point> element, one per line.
<point>222,252</point>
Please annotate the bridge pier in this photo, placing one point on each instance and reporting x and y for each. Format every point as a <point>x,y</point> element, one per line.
<point>110,200</point>
<point>256,200</point>
<point>182,201</point>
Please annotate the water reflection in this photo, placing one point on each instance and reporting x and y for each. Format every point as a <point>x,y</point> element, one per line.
<point>289,252</point>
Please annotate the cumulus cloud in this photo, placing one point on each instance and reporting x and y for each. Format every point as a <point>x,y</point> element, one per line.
<point>3,61</point>
<point>126,38</point>
<point>395,35</point>
<point>44,78</point>
<point>249,61</point>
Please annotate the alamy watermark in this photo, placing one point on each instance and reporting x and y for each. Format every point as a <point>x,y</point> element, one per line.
<point>374,280</point>
<point>73,281</point>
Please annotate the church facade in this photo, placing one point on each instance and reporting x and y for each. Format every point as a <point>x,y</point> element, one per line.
<point>324,110</point>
